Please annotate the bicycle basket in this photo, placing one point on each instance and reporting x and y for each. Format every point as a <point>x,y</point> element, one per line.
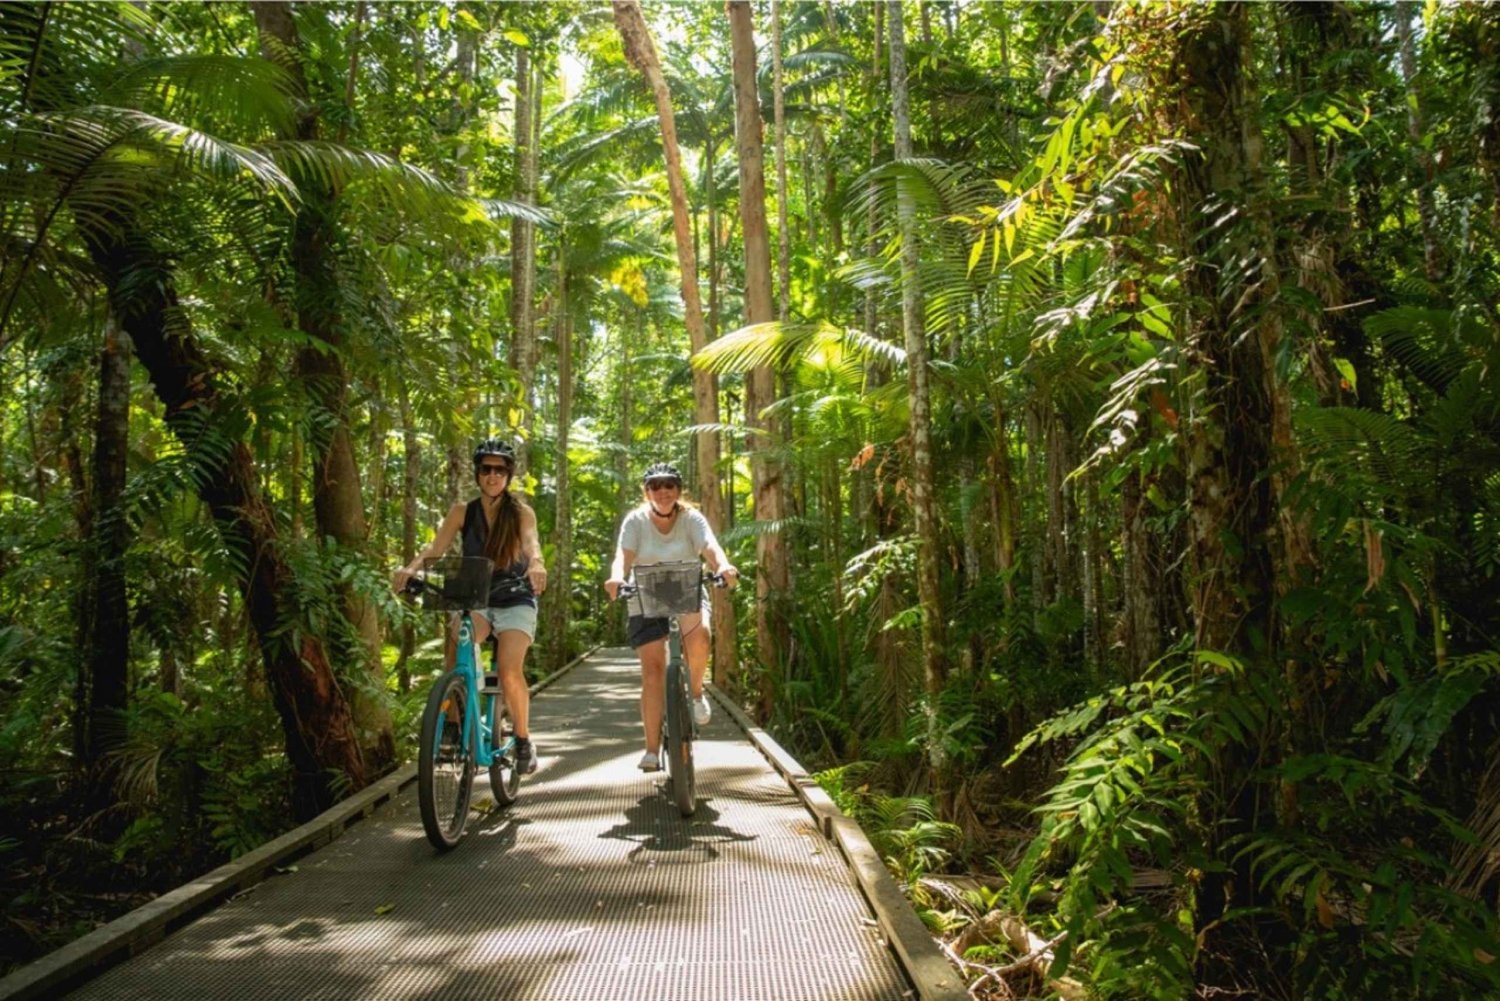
<point>456,583</point>
<point>669,588</point>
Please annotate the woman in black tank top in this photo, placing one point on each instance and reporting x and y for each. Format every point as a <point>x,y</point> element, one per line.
<point>499,525</point>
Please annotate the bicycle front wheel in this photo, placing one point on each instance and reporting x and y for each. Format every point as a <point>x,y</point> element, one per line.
<point>679,746</point>
<point>505,778</point>
<point>445,762</point>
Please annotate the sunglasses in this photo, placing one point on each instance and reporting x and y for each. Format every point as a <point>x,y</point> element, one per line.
<point>489,470</point>
<point>661,484</point>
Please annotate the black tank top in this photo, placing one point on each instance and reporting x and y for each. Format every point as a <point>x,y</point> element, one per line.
<point>475,533</point>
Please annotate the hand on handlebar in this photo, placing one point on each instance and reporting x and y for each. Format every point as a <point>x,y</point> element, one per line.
<point>731,576</point>
<point>612,587</point>
<point>401,580</point>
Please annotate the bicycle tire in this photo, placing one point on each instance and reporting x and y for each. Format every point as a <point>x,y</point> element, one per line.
<point>505,777</point>
<point>445,762</point>
<point>679,745</point>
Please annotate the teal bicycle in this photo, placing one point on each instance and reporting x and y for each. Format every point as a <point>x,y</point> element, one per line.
<point>464,727</point>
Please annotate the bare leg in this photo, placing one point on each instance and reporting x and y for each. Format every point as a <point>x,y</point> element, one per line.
<point>695,647</point>
<point>653,680</point>
<point>513,644</point>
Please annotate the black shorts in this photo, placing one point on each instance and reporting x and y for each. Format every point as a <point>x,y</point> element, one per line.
<point>640,630</point>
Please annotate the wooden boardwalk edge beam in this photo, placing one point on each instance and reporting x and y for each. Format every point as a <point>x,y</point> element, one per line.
<point>930,972</point>
<point>129,934</point>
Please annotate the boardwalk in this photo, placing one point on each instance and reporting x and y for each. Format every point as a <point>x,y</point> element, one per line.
<point>591,886</point>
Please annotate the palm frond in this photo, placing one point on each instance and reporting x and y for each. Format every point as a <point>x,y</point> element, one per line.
<point>779,344</point>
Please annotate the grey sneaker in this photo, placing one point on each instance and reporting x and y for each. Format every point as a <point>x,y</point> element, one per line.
<point>650,762</point>
<point>702,711</point>
<point>525,756</point>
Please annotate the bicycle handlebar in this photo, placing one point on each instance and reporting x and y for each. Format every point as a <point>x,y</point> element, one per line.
<point>628,590</point>
<point>416,585</point>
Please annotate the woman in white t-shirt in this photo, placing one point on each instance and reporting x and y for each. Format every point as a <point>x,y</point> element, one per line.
<point>665,528</point>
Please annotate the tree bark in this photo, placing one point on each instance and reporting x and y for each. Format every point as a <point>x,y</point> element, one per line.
<point>1415,129</point>
<point>778,111</point>
<point>934,668</point>
<point>641,51</point>
<point>321,739</point>
<point>558,598</point>
<point>105,661</point>
<point>411,472</point>
<point>523,348</point>
<point>772,630</point>
<point>1229,440</point>
<point>338,500</point>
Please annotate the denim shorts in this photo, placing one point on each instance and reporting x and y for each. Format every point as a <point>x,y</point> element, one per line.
<point>521,618</point>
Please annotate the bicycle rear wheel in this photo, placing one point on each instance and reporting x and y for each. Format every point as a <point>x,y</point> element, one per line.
<point>505,778</point>
<point>445,762</point>
<point>679,746</point>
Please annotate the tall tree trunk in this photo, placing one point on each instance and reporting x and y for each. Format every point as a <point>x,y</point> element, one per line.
<point>772,630</point>
<point>641,51</point>
<point>338,500</point>
<point>1229,443</point>
<point>783,233</point>
<point>523,349</point>
<point>321,738</point>
<point>105,659</point>
<point>1415,129</point>
<point>411,472</point>
<point>559,596</point>
<point>1486,39</point>
<point>934,668</point>
<point>1230,439</point>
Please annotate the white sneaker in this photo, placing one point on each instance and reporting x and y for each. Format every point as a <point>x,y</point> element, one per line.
<point>650,762</point>
<point>702,711</point>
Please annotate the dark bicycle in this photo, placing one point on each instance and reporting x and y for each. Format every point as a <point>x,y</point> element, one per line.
<point>464,727</point>
<point>668,590</point>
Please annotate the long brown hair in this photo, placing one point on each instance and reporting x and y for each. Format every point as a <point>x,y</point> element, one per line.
<point>503,545</point>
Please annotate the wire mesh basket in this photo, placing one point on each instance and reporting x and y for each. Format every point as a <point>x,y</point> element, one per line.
<point>669,588</point>
<point>456,583</point>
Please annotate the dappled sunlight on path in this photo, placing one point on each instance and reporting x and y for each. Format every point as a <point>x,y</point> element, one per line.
<point>590,886</point>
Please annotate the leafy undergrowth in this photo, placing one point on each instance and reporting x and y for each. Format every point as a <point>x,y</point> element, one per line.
<point>192,790</point>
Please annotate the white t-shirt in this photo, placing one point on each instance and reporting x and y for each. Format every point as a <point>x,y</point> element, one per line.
<point>690,535</point>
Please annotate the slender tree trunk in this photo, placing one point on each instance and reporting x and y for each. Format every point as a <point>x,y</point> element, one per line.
<point>1141,627</point>
<point>934,669</point>
<point>559,594</point>
<point>523,349</point>
<point>783,234</point>
<point>321,738</point>
<point>411,472</point>
<point>1415,129</point>
<point>1486,39</point>
<point>1003,510</point>
<point>105,660</point>
<point>338,500</point>
<point>772,631</point>
<point>641,51</point>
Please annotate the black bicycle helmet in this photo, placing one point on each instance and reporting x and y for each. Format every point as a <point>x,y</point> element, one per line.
<point>661,471</point>
<point>493,447</point>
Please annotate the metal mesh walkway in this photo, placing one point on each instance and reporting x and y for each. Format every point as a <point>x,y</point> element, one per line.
<point>590,886</point>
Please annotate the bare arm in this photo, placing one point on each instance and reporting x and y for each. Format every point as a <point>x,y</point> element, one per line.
<point>713,555</point>
<point>453,521</point>
<point>619,570</point>
<point>531,547</point>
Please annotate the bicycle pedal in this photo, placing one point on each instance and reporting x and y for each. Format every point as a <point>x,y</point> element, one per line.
<point>490,685</point>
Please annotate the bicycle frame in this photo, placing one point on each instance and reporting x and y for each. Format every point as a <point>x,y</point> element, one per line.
<point>466,662</point>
